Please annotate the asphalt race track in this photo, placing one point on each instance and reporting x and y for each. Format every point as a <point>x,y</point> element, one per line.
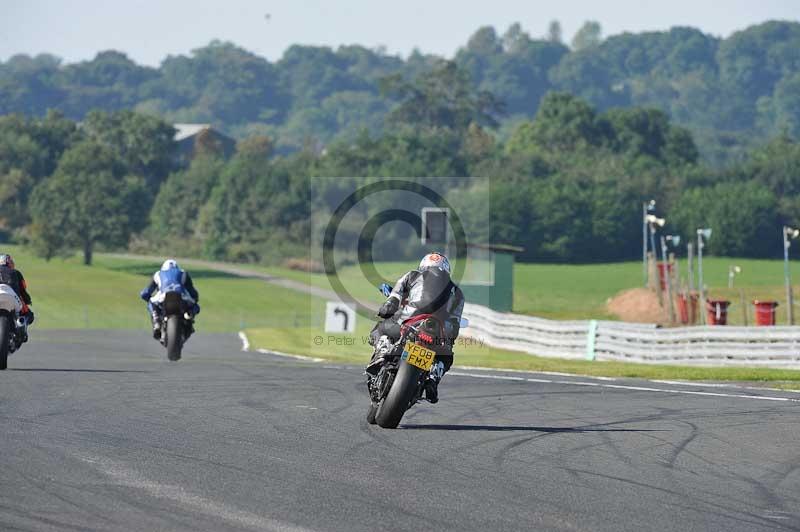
<point>100,432</point>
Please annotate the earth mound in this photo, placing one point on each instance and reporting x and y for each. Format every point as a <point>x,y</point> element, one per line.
<point>638,305</point>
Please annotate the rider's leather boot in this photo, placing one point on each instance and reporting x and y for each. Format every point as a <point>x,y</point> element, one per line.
<point>22,325</point>
<point>156,325</point>
<point>432,382</point>
<point>383,348</point>
<point>189,323</point>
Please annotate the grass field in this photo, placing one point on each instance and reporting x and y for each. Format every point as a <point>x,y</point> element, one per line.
<point>105,296</point>
<point>67,295</point>
<point>581,291</point>
<point>567,291</point>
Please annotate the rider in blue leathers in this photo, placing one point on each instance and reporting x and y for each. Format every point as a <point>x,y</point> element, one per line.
<point>170,278</point>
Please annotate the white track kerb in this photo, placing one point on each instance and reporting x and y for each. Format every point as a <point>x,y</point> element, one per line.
<point>246,348</point>
<point>245,341</point>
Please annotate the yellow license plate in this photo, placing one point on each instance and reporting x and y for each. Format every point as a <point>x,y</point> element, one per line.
<point>419,356</point>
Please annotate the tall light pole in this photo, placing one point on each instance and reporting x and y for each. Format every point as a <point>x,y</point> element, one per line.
<point>653,221</point>
<point>702,234</point>
<point>788,234</point>
<point>647,207</point>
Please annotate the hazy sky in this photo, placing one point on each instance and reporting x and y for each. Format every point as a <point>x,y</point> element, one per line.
<point>149,30</point>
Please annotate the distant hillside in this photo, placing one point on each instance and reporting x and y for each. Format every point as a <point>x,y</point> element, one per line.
<point>731,93</point>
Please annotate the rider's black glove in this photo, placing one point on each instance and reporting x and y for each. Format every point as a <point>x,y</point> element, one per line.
<point>388,309</point>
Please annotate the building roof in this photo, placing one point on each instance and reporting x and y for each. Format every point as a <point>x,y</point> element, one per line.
<point>184,131</point>
<point>502,248</point>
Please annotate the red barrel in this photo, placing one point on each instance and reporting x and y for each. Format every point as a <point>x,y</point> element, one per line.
<point>683,308</point>
<point>661,279</point>
<point>717,311</point>
<point>765,312</point>
<point>687,308</point>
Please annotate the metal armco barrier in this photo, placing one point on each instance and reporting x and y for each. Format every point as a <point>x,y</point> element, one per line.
<point>777,347</point>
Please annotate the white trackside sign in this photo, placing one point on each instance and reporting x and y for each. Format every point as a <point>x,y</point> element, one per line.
<point>339,318</point>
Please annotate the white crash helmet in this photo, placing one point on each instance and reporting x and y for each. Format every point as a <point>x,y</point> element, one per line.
<point>169,264</point>
<point>434,260</point>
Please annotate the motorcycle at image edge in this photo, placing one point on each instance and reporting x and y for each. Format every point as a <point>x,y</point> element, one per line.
<point>177,324</point>
<point>12,325</point>
<point>400,381</point>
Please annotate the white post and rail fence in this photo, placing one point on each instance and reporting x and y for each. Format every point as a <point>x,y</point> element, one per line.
<point>776,347</point>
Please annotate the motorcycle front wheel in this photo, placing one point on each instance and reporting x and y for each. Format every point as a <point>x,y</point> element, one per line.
<point>174,338</point>
<point>392,408</point>
<point>5,338</point>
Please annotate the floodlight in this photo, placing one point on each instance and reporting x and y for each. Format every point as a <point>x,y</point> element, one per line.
<point>733,271</point>
<point>705,232</point>
<point>653,219</point>
<point>791,233</point>
<point>675,239</point>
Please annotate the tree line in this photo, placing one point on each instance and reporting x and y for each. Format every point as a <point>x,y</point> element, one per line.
<point>727,92</point>
<point>566,185</point>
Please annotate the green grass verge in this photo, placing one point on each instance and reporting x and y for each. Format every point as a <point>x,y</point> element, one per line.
<point>353,349</point>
